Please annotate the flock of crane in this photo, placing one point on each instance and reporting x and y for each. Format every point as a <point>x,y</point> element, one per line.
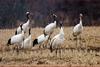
<point>21,41</point>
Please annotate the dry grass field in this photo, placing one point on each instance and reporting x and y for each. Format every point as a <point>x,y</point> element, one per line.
<point>88,52</point>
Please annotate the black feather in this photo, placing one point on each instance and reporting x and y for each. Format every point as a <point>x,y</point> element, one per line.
<point>35,42</point>
<point>29,31</point>
<point>54,17</point>
<point>27,15</point>
<point>9,42</point>
<point>51,50</point>
<point>16,32</point>
<point>21,26</point>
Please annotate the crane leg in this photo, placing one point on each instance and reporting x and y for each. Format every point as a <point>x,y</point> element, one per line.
<point>60,53</point>
<point>50,36</point>
<point>80,40</point>
<point>17,50</point>
<point>40,46</point>
<point>14,48</point>
<point>48,41</point>
<point>56,52</point>
<point>76,42</point>
<point>43,46</point>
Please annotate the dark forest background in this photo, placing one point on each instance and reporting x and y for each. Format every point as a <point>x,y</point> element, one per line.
<point>12,12</point>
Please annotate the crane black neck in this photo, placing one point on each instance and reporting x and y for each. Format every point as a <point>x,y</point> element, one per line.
<point>27,16</point>
<point>61,24</point>
<point>21,26</point>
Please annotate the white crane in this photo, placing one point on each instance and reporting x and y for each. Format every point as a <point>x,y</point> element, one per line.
<point>24,26</point>
<point>28,41</point>
<point>16,40</point>
<point>48,30</point>
<point>57,40</point>
<point>78,29</point>
<point>40,39</point>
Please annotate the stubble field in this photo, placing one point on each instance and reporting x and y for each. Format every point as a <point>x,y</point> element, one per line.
<point>87,53</point>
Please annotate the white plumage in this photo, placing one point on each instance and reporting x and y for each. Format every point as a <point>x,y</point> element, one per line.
<point>78,28</point>
<point>19,29</point>
<point>16,40</point>
<point>27,42</point>
<point>50,27</point>
<point>57,40</point>
<point>24,26</point>
<point>40,39</point>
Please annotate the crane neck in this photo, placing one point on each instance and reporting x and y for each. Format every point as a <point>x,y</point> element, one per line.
<point>27,16</point>
<point>61,31</point>
<point>22,32</point>
<point>28,21</point>
<point>80,20</point>
<point>21,26</point>
<point>55,22</point>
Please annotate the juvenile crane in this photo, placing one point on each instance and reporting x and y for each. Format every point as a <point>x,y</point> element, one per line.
<point>57,41</point>
<point>78,29</point>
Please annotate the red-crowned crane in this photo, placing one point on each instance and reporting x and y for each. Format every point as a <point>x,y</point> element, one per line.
<point>48,30</point>
<point>16,40</point>
<point>24,26</point>
<point>40,39</point>
<point>78,29</point>
<point>57,40</point>
<point>28,41</point>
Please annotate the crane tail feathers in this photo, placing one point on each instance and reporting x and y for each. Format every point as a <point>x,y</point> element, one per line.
<point>16,32</point>
<point>35,42</point>
<point>9,42</point>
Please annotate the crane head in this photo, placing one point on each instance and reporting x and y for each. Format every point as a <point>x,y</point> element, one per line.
<point>54,15</point>
<point>27,14</point>
<point>81,15</point>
